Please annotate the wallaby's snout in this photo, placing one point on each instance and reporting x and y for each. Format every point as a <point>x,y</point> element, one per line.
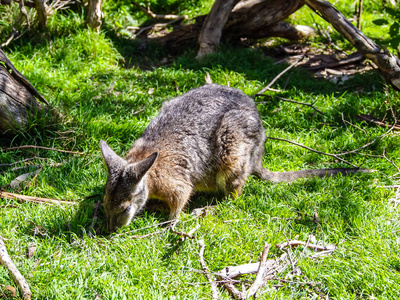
<point>126,191</point>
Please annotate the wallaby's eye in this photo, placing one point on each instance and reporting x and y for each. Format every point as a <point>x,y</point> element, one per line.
<point>127,209</point>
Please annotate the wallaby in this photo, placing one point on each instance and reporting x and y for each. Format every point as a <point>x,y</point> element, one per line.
<point>209,139</point>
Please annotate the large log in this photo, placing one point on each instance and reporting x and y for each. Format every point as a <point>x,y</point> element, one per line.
<point>388,64</point>
<point>17,97</point>
<point>248,19</point>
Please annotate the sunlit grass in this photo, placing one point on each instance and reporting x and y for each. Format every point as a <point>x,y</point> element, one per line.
<point>83,75</point>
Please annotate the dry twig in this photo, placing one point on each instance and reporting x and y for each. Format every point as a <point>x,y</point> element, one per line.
<point>23,198</point>
<point>375,139</point>
<point>40,147</point>
<point>280,74</point>
<point>260,281</point>
<point>296,102</point>
<point>20,281</point>
<point>313,150</point>
<point>373,120</point>
<point>296,243</point>
<point>215,292</point>
<point>183,235</point>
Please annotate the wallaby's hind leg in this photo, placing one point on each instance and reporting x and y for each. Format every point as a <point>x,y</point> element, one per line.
<point>240,145</point>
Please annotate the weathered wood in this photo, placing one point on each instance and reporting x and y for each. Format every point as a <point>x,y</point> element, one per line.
<point>17,97</point>
<point>41,12</point>
<point>93,19</point>
<point>249,18</point>
<point>20,281</point>
<point>388,64</point>
<point>212,29</point>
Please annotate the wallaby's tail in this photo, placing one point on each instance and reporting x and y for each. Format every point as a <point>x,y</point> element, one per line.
<point>294,175</point>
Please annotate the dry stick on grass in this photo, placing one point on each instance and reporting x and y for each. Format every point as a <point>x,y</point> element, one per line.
<point>293,101</point>
<point>40,147</point>
<point>296,243</point>
<point>18,162</point>
<point>20,281</point>
<point>371,119</point>
<point>23,198</point>
<point>313,150</point>
<point>355,126</point>
<point>183,235</point>
<point>268,87</point>
<point>260,281</point>
<point>215,292</point>
<point>375,139</point>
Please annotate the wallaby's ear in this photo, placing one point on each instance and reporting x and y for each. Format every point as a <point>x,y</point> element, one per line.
<point>135,171</point>
<point>112,160</point>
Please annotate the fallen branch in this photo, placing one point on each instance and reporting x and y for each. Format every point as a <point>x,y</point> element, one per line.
<point>260,280</point>
<point>23,198</point>
<point>215,292</point>
<point>388,64</point>
<point>351,59</point>
<point>18,76</point>
<point>280,74</point>
<point>20,281</point>
<point>40,147</point>
<point>313,150</point>
<point>296,243</point>
<point>373,120</point>
<point>296,102</point>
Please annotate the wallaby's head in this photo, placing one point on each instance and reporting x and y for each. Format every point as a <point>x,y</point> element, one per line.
<point>126,191</point>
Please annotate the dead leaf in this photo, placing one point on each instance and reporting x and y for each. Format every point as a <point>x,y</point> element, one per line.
<point>12,290</point>
<point>21,178</point>
<point>31,250</point>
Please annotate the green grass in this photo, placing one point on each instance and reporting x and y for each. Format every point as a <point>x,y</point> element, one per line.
<point>82,74</point>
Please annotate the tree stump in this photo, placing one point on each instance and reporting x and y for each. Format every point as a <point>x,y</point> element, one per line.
<point>17,98</point>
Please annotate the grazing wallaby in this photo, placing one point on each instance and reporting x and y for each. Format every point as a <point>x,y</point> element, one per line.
<point>209,139</point>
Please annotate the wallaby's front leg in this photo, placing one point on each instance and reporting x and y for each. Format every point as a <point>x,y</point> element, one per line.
<point>178,199</point>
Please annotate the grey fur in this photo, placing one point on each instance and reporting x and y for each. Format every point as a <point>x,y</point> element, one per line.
<point>209,139</point>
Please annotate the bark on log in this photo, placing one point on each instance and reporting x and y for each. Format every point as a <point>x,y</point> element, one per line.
<point>20,281</point>
<point>212,29</point>
<point>388,64</point>
<point>42,14</point>
<point>17,97</point>
<point>248,19</point>
<point>94,15</point>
